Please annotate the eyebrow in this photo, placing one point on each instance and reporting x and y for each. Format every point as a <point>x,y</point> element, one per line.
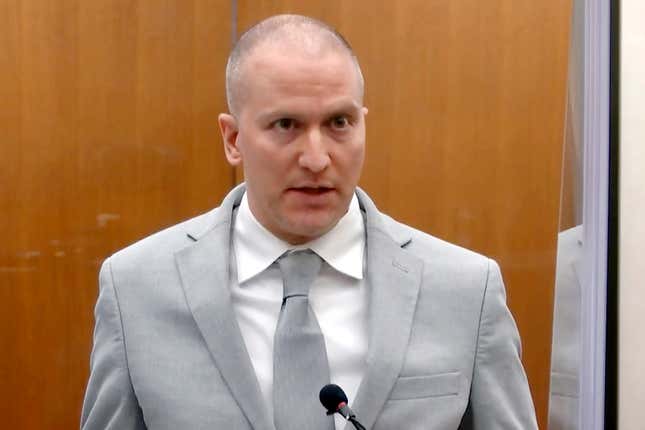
<point>331,110</point>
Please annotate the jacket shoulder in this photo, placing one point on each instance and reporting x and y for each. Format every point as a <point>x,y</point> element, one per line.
<point>166,242</point>
<point>432,249</point>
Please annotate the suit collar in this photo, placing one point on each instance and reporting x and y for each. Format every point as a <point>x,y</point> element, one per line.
<point>200,226</point>
<point>393,280</point>
<point>378,221</point>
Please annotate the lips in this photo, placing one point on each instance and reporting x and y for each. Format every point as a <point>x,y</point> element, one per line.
<point>312,194</point>
<point>312,190</point>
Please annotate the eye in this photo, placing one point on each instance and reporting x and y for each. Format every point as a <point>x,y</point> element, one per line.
<point>284,124</point>
<point>339,122</point>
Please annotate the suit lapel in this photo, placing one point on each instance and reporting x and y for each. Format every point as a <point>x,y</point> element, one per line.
<point>393,282</point>
<point>203,267</point>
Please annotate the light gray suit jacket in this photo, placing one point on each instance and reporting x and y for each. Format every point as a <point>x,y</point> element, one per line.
<point>168,352</point>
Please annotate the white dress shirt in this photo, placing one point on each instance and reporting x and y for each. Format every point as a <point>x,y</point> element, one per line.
<point>337,296</point>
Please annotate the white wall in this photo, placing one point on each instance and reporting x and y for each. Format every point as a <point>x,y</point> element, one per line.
<point>631,409</point>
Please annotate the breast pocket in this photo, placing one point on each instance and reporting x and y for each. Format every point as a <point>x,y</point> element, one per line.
<point>428,402</point>
<point>419,387</point>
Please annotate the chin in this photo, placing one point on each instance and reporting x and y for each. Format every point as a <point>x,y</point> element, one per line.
<point>302,233</point>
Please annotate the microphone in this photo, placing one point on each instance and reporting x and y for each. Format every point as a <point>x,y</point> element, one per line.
<point>334,399</point>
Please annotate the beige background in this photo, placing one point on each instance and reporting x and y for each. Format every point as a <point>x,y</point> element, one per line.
<point>631,414</point>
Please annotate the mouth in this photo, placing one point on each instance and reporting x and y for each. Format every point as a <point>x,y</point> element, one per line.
<point>314,191</point>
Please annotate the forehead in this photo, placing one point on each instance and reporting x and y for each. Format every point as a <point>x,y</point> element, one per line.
<point>279,74</point>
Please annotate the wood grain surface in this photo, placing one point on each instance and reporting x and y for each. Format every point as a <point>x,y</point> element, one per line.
<point>108,115</point>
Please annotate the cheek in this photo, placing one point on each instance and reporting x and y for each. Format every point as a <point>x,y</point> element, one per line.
<point>269,171</point>
<point>352,160</point>
<point>257,156</point>
<point>360,155</point>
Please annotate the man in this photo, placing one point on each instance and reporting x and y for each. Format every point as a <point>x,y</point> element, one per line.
<point>193,324</point>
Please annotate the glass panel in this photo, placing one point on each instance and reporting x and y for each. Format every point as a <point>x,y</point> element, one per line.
<point>578,350</point>
<point>565,358</point>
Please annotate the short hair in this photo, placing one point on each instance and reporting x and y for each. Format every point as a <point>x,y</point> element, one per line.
<point>294,28</point>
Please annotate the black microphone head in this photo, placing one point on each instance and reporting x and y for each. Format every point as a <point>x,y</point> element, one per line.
<point>331,396</point>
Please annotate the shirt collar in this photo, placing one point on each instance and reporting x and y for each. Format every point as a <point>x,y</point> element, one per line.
<point>256,248</point>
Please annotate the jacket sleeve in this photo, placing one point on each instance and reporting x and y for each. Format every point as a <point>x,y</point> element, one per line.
<point>110,401</point>
<point>500,397</point>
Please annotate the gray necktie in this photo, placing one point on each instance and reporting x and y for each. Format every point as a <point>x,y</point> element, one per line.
<point>300,367</point>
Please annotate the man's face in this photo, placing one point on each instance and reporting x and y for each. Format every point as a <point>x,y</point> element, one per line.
<point>300,136</point>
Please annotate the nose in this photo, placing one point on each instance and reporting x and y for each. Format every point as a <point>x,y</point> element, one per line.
<point>314,155</point>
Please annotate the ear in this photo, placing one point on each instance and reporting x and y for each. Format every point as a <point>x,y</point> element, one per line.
<point>229,129</point>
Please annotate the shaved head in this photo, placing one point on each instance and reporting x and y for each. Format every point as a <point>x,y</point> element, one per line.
<point>294,34</point>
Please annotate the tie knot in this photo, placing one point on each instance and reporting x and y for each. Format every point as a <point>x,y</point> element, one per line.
<point>299,269</point>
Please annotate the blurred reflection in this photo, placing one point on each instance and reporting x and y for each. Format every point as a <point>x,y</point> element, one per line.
<point>565,357</point>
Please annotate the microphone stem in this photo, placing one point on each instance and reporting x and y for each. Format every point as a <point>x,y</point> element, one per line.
<point>357,425</point>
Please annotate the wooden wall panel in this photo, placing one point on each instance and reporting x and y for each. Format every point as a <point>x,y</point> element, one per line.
<point>465,132</point>
<point>108,132</point>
